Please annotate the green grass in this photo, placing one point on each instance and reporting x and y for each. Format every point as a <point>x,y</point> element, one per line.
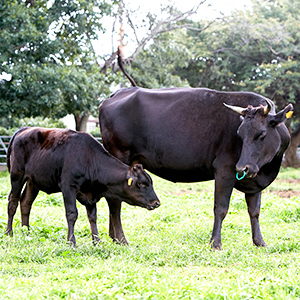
<point>169,256</point>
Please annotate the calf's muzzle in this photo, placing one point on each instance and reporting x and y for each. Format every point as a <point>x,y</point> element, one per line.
<point>153,204</point>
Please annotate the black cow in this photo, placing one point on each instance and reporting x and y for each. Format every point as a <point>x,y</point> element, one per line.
<point>189,135</point>
<point>74,163</point>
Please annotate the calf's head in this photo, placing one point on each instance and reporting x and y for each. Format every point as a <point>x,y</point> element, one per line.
<point>138,188</point>
<point>261,140</point>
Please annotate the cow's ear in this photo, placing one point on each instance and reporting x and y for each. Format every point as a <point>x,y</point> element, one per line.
<point>281,116</point>
<point>137,167</point>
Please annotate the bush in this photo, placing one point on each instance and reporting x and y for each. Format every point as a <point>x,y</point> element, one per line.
<point>4,131</point>
<point>32,122</point>
<point>95,133</point>
<point>40,122</point>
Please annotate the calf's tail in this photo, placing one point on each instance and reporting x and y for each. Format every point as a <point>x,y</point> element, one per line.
<point>120,63</point>
<point>10,145</point>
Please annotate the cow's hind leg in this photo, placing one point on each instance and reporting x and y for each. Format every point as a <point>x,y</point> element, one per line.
<point>253,202</point>
<point>92,216</point>
<point>115,224</point>
<point>28,196</point>
<point>13,201</point>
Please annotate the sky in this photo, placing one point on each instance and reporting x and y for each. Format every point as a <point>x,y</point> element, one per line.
<point>209,10</point>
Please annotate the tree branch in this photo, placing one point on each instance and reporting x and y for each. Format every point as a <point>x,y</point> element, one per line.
<point>170,23</point>
<point>166,25</point>
<point>108,62</point>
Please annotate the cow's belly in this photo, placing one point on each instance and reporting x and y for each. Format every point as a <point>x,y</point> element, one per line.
<point>177,169</point>
<point>44,179</point>
<point>47,187</point>
<point>194,175</point>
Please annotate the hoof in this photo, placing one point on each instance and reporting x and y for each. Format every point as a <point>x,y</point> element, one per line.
<point>96,240</point>
<point>123,242</point>
<point>9,232</point>
<point>215,245</point>
<point>260,243</point>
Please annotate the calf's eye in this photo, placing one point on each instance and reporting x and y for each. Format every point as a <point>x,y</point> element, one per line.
<point>140,185</point>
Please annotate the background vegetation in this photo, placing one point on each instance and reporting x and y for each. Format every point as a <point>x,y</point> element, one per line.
<point>168,256</point>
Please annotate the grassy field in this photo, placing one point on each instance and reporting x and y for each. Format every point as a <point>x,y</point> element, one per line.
<point>169,256</point>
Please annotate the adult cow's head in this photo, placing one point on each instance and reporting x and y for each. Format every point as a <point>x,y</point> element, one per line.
<point>261,140</point>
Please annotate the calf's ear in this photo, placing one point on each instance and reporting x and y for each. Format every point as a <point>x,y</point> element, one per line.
<point>281,116</point>
<point>137,167</point>
<point>133,173</point>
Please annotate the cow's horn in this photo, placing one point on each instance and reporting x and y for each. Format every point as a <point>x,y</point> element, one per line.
<point>235,108</point>
<point>268,107</point>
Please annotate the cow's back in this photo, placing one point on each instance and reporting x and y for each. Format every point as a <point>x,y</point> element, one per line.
<point>178,133</point>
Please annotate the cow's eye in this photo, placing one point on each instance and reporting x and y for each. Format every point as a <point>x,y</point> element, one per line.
<point>261,135</point>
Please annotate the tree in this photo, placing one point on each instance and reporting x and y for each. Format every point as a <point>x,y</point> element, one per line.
<point>45,54</point>
<point>145,30</point>
<point>156,67</point>
<point>260,51</point>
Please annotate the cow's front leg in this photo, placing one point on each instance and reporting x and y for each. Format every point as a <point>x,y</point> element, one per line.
<point>115,224</point>
<point>92,216</point>
<point>221,205</point>
<point>253,202</point>
<point>71,213</point>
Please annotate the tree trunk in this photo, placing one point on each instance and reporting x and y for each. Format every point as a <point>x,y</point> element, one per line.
<point>81,121</point>
<point>291,158</point>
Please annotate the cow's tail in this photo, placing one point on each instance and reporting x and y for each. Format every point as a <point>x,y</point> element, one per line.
<point>10,145</point>
<point>121,66</point>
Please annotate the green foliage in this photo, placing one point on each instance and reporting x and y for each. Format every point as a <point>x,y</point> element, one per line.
<point>96,133</point>
<point>32,122</point>
<point>156,67</point>
<point>41,122</point>
<point>5,131</point>
<point>168,256</point>
<point>47,56</point>
<point>255,50</point>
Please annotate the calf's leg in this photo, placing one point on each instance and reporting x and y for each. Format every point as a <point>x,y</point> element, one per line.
<point>92,216</point>
<point>115,224</point>
<point>28,196</point>
<point>13,201</point>
<point>253,202</point>
<point>71,213</point>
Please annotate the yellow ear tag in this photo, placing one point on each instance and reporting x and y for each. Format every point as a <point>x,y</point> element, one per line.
<point>289,114</point>
<point>129,181</point>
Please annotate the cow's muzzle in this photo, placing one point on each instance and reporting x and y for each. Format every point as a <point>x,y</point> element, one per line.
<point>248,171</point>
<point>153,204</point>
